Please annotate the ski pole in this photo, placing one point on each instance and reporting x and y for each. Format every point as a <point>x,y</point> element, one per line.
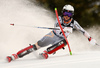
<point>62,31</point>
<point>36,27</point>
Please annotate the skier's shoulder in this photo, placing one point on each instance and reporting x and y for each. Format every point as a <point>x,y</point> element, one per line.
<point>77,25</point>
<point>60,19</point>
<point>74,21</point>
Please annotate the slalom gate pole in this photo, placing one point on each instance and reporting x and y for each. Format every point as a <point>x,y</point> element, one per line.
<point>62,31</point>
<point>35,27</point>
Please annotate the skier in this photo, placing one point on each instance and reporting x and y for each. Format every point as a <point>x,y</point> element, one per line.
<point>55,37</point>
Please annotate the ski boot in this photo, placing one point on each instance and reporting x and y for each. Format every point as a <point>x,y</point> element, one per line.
<point>12,57</point>
<point>21,53</point>
<point>44,54</point>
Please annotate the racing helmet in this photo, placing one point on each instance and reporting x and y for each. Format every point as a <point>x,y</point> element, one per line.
<point>68,10</point>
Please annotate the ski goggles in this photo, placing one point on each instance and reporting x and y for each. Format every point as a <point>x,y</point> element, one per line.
<point>69,14</point>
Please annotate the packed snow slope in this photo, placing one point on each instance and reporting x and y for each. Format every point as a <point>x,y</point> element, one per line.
<point>14,38</point>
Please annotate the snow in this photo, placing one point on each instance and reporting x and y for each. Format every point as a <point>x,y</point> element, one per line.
<point>77,60</point>
<point>12,39</point>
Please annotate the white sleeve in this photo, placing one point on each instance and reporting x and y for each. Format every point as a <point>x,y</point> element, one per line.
<point>79,28</point>
<point>56,23</point>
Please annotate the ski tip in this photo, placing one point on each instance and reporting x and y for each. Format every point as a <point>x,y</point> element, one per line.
<point>55,8</point>
<point>8,59</point>
<point>12,24</point>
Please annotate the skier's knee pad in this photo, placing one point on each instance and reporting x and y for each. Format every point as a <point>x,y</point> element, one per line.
<point>56,47</point>
<point>26,50</point>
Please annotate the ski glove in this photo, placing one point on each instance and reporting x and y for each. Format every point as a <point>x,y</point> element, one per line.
<point>92,41</point>
<point>68,29</point>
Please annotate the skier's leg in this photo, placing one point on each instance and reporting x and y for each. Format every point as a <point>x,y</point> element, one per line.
<point>52,49</point>
<point>26,51</point>
<point>50,38</point>
<point>23,52</point>
<point>46,40</point>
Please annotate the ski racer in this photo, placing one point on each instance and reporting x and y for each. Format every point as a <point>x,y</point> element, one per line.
<point>55,37</point>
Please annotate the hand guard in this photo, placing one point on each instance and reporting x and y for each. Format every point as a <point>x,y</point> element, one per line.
<point>68,29</point>
<point>92,41</point>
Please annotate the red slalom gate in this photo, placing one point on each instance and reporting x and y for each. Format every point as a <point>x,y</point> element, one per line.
<point>62,31</point>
